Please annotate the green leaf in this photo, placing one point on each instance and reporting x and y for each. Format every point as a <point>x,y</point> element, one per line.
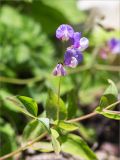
<point>42,146</point>
<point>111,89</point>
<point>109,96</point>
<point>52,106</point>
<point>45,122</point>
<point>32,130</point>
<point>29,104</point>
<point>76,146</point>
<point>55,142</point>
<point>67,126</point>
<point>111,114</point>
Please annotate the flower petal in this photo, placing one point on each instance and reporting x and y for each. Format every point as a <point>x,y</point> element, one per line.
<point>64,32</point>
<point>76,39</point>
<point>72,57</point>
<point>59,70</point>
<point>84,42</point>
<point>114,46</point>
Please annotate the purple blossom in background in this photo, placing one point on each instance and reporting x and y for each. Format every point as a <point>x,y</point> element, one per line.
<point>59,70</point>
<point>114,46</point>
<point>64,32</point>
<point>72,57</point>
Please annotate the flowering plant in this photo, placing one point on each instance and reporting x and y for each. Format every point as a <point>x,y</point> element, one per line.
<point>54,122</point>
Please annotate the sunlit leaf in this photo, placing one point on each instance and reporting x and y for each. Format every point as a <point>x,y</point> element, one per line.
<point>55,142</point>
<point>45,122</point>
<point>67,126</point>
<point>76,146</point>
<point>42,146</point>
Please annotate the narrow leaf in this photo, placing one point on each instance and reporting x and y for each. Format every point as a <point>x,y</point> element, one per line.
<point>111,89</point>
<point>76,146</point>
<point>55,142</point>
<point>32,130</point>
<point>67,126</point>
<point>42,146</point>
<point>29,104</point>
<point>109,96</point>
<point>45,122</point>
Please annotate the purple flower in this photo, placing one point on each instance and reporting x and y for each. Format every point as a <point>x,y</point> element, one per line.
<point>72,57</point>
<point>111,47</point>
<point>64,32</point>
<point>59,70</point>
<point>80,43</point>
<point>114,46</point>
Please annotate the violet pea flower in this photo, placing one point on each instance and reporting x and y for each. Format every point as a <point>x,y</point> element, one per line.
<point>72,57</point>
<point>64,32</point>
<point>114,46</point>
<point>59,70</point>
<point>80,43</point>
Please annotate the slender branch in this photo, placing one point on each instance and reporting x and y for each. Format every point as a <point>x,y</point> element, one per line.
<point>109,107</point>
<point>20,81</point>
<point>92,114</point>
<point>107,68</point>
<point>83,117</point>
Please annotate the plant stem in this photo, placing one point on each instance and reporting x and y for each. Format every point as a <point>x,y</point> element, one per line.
<point>83,117</point>
<point>58,107</point>
<point>20,81</point>
<point>107,68</point>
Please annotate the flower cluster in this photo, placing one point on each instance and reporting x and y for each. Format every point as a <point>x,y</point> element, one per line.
<point>73,55</point>
<point>112,46</point>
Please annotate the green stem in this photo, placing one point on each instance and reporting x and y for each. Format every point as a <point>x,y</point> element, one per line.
<point>58,107</point>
